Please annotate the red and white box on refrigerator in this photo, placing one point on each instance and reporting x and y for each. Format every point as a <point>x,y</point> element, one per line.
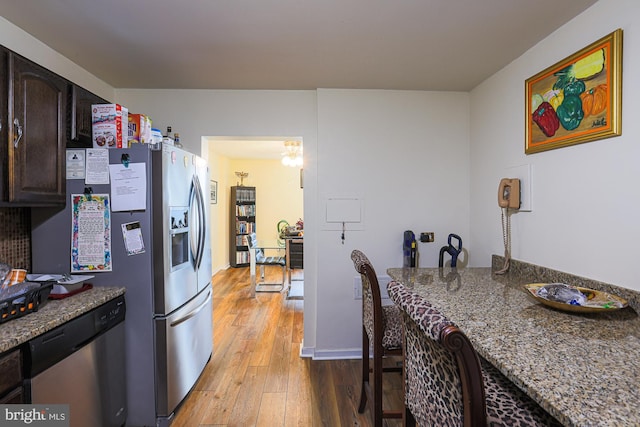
<point>107,125</point>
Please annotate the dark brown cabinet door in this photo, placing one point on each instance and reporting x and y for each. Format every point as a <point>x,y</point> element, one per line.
<point>36,134</point>
<point>11,377</point>
<point>80,129</point>
<point>4,123</point>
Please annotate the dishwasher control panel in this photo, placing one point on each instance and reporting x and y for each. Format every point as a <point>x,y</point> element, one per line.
<point>109,314</point>
<point>53,346</point>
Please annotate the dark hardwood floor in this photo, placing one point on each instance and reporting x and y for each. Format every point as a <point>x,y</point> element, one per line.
<point>256,376</point>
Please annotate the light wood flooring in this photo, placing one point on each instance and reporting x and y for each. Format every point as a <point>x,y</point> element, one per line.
<point>256,376</point>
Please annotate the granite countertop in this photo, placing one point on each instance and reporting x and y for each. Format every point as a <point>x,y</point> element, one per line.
<point>53,313</point>
<point>584,369</point>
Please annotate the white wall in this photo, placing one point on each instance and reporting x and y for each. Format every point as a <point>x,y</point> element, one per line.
<point>405,154</point>
<point>237,113</point>
<point>586,198</point>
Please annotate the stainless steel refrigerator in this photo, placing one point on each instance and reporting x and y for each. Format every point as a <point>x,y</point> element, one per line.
<point>169,325</point>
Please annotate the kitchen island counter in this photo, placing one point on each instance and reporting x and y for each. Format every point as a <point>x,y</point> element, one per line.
<point>583,369</point>
<point>54,313</point>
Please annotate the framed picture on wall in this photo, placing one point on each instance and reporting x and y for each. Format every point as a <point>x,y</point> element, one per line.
<point>214,192</point>
<point>576,100</point>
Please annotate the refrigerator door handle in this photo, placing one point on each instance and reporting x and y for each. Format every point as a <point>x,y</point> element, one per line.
<point>203,222</point>
<point>192,313</point>
<point>196,218</point>
<point>199,199</point>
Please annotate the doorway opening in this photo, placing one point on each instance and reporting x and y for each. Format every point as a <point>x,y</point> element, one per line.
<point>255,162</point>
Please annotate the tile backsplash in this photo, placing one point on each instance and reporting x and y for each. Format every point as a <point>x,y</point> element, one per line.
<point>15,237</point>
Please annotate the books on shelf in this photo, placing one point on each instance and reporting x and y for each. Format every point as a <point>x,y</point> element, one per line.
<point>246,210</point>
<point>245,227</point>
<point>245,194</point>
<point>242,257</point>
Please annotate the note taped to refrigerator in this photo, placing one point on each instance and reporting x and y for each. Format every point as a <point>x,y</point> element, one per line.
<point>75,164</point>
<point>91,233</point>
<point>97,166</point>
<point>132,235</point>
<point>128,187</point>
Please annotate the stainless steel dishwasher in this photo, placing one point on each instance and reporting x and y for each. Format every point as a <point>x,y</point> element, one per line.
<point>82,364</point>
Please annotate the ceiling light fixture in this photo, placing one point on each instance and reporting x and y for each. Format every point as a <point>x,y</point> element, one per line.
<point>292,155</point>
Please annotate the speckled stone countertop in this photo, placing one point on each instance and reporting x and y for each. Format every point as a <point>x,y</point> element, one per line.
<point>584,369</point>
<point>53,313</point>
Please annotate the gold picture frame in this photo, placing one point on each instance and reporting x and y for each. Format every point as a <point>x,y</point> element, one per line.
<point>576,100</point>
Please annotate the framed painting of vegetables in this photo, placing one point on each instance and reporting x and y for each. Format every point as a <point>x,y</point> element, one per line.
<point>577,100</point>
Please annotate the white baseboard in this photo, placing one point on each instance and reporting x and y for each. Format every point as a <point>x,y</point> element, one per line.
<point>330,354</point>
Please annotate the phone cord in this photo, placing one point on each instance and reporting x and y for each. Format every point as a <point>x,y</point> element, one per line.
<point>506,238</point>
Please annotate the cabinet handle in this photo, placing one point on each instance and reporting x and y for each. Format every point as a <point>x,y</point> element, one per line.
<point>16,123</point>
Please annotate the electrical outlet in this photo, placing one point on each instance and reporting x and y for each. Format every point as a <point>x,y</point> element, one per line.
<point>427,237</point>
<point>382,282</point>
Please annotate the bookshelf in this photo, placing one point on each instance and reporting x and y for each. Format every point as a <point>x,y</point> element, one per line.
<point>242,223</point>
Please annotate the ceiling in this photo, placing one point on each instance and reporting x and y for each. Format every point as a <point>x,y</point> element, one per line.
<point>441,45</point>
<point>444,45</point>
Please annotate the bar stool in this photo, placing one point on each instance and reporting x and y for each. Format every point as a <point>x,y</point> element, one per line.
<point>446,382</point>
<point>381,327</point>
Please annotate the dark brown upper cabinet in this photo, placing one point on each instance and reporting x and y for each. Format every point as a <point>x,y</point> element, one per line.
<point>34,133</point>
<point>4,122</point>
<point>80,126</point>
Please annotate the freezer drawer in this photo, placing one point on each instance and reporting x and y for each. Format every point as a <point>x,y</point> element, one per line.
<point>185,344</point>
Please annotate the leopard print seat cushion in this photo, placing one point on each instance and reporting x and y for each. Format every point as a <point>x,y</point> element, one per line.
<point>391,319</point>
<point>433,391</point>
<point>391,327</point>
<point>507,405</point>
